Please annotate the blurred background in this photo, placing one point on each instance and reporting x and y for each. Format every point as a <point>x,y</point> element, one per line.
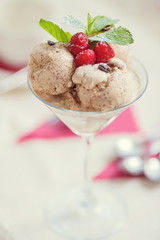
<point>29,171</point>
<point>19,29</point>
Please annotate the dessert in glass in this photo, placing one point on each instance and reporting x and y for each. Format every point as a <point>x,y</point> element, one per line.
<point>87,83</point>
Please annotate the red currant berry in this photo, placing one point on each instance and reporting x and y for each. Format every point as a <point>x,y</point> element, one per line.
<point>86,57</point>
<point>103,52</point>
<point>78,43</point>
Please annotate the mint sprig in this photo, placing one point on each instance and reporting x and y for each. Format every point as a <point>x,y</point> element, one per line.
<point>55,31</point>
<point>73,22</point>
<point>89,20</point>
<point>96,24</point>
<point>120,35</point>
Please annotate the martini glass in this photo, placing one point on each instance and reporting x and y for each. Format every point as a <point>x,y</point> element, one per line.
<point>90,212</point>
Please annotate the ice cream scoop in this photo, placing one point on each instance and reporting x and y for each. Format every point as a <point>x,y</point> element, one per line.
<point>99,90</point>
<point>50,68</point>
<point>123,52</point>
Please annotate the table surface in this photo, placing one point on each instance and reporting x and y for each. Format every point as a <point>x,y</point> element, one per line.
<point>31,172</point>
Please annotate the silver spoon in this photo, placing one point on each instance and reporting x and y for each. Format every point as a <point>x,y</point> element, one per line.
<point>133,165</point>
<point>152,169</point>
<point>126,147</point>
<point>148,146</point>
<point>154,147</point>
<point>133,153</point>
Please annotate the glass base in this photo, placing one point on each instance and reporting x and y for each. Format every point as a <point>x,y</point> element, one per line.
<point>94,214</point>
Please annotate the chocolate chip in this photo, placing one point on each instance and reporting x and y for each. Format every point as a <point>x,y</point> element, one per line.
<point>51,43</point>
<point>104,67</point>
<point>111,65</point>
<point>107,28</point>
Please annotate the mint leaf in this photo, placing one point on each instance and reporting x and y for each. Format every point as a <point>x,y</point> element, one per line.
<point>68,36</point>
<point>99,22</point>
<point>89,19</point>
<point>73,22</point>
<point>120,35</point>
<point>55,31</point>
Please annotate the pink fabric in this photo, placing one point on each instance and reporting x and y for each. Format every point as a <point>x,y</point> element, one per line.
<point>8,67</point>
<point>124,123</point>
<point>112,171</point>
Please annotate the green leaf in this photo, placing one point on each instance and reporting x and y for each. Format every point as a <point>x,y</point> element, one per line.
<point>55,31</point>
<point>89,19</point>
<point>120,35</point>
<point>99,22</point>
<point>68,36</point>
<point>73,22</point>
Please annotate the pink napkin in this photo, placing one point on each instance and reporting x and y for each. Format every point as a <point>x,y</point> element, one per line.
<point>124,123</point>
<point>112,171</point>
<point>8,67</point>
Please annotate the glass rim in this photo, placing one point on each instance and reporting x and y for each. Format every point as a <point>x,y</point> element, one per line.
<point>94,112</point>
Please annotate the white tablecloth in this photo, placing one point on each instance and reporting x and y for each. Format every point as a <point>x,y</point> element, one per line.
<point>31,172</point>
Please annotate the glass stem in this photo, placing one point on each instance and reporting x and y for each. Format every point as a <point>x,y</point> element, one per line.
<point>87,150</point>
<point>87,200</point>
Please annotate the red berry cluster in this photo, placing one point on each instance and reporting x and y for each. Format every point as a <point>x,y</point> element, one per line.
<point>79,46</point>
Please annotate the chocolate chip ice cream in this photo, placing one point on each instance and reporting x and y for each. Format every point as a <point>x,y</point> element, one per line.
<point>99,90</point>
<point>50,68</point>
<point>56,79</point>
<point>123,52</point>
